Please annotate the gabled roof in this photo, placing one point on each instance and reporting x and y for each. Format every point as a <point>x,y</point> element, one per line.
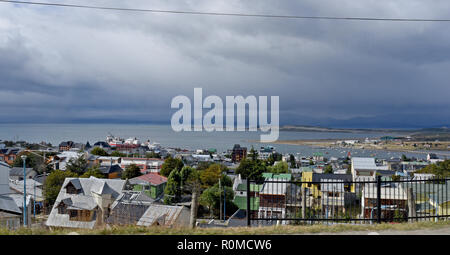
<point>102,188</point>
<point>18,171</point>
<point>8,151</point>
<point>110,169</point>
<point>66,143</point>
<point>83,200</point>
<point>75,182</point>
<point>33,187</point>
<point>152,178</point>
<point>363,163</point>
<point>4,164</point>
<point>160,214</point>
<point>7,204</point>
<point>274,188</point>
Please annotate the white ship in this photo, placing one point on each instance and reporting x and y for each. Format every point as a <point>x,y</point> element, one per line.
<point>114,141</point>
<point>132,140</point>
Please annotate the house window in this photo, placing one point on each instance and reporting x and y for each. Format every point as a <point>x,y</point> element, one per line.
<point>73,214</point>
<point>71,190</point>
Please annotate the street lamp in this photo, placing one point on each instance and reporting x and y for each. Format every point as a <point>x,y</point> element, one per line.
<point>24,158</point>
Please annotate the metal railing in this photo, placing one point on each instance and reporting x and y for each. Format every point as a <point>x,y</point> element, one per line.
<point>334,201</point>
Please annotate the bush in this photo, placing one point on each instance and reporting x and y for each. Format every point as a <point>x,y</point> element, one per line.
<point>53,184</point>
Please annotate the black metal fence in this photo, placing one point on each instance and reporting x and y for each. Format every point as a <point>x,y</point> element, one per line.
<point>334,201</point>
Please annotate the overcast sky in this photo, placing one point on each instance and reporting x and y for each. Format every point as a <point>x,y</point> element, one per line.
<point>81,65</point>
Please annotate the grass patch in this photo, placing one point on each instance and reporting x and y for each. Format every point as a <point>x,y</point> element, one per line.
<point>273,230</point>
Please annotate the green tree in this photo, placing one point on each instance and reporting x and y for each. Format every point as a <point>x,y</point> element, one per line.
<point>172,192</point>
<point>404,158</point>
<point>169,165</point>
<point>253,155</point>
<point>280,167</point>
<point>118,154</point>
<point>131,171</point>
<point>328,169</point>
<point>53,183</point>
<point>274,157</point>
<point>93,171</point>
<point>77,165</point>
<point>292,161</point>
<point>203,165</point>
<point>249,168</point>
<point>33,161</point>
<point>211,175</point>
<point>349,169</point>
<point>152,154</point>
<point>99,151</point>
<point>212,196</point>
<point>226,180</point>
<point>440,169</point>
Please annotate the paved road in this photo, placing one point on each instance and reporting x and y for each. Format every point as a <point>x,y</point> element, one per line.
<point>440,231</point>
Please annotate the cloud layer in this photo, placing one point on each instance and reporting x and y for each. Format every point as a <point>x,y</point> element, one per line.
<point>78,65</point>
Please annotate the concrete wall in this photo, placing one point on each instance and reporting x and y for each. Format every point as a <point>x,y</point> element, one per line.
<point>4,179</point>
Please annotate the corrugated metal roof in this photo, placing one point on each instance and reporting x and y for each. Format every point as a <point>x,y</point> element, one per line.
<point>18,171</point>
<point>331,177</point>
<point>35,191</point>
<point>275,188</point>
<point>395,192</point>
<point>8,204</point>
<point>152,178</point>
<point>336,186</point>
<point>161,215</point>
<point>363,163</point>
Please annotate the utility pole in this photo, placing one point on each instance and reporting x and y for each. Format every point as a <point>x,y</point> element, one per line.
<point>34,202</point>
<point>224,204</point>
<point>194,205</point>
<point>24,158</point>
<point>220,201</point>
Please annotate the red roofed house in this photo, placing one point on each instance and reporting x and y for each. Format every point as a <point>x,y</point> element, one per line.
<point>152,184</point>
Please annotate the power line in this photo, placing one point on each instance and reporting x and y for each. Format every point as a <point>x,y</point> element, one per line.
<point>225,14</point>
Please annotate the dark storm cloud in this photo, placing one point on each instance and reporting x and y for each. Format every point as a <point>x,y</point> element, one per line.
<point>75,65</point>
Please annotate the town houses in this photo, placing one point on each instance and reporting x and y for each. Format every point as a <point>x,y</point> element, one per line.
<point>126,181</point>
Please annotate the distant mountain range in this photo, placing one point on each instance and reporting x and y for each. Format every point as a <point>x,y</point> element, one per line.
<point>300,128</point>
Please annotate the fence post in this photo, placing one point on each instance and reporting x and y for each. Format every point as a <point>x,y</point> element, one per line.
<point>378,199</point>
<point>303,201</point>
<point>411,205</point>
<point>248,203</point>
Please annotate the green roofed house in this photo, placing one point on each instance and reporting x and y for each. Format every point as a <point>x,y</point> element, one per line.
<point>240,197</point>
<point>318,156</point>
<point>277,176</point>
<point>267,175</point>
<point>241,203</point>
<point>152,184</point>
